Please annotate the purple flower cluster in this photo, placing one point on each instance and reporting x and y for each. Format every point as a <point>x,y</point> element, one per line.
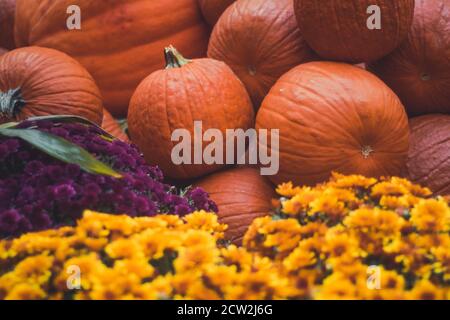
<point>38,192</point>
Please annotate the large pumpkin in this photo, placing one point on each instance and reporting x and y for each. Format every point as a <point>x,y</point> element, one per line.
<point>429,156</point>
<point>120,42</point>
<point>339,30</point>
<point>186,91</point>
<point>40,81</point>
<point>213,9</point>
<point>7,12</point>
<point>334,117</point>
<point>419,70</point>
<point>110,125</point>
<point>260,41</point>
<point>241,195</point>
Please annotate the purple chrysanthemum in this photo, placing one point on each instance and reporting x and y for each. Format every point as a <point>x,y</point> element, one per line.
<point>38,192</point>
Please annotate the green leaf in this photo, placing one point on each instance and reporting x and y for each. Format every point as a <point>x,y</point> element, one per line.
<point>60,119</point>
<point>61,149</point>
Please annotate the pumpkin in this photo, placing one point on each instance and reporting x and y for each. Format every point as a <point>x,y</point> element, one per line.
<point>429,155</point>
<point>119,42</point>
<point>186,91</point>
<point>39,81</point>
<point>7,12</point>
<point>334,117</point>
<point>213,9</point>
<point>260,41</point>
<point>418,71</point>
<point>241,196</point>
<point>339,30</point>
<point>110,125</point>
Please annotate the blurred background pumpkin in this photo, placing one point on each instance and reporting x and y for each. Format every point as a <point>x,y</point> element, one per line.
<point>7,14</point>
<point>429,155</point>
<point>338,30</point>
<point>260,41</point>
<point>213,9</point>
<point>419,70</point>
<point>120,42</point>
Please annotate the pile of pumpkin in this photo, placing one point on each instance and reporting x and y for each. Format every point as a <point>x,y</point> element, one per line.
<point>346,97</point>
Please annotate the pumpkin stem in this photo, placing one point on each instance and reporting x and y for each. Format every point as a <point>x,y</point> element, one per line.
<point>366,151</point>
<point>11,102</point>
<point>174,59</point>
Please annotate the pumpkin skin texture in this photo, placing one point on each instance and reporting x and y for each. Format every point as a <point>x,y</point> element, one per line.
<point>429,155</point>
<point>338,30</point>
<point>120,41</point>
<point>241,195</point>
<point>110,125</point>
<point>40,81</point>
<point>213,9</point>
<point>419,70</point>
<point>7,13</point>
<point>260,41</point>
<point>186,91</point>
<point>334,117</point>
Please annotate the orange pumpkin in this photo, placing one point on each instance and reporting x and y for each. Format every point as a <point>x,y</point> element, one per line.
<point>419,70</point>
<point>39,81</point>
<point>120,42</point>
<point>334,117</point>
<point>260,41</point>
<point>241,195</point>
<point>339,30</point>
<point>110,125</point>
<point>429,155</point>
<point>7,12</point>
<point>186,91</point>
<point>213,9</point>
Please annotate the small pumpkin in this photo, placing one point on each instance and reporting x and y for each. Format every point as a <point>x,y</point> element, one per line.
<point>260,41</point>
<point>38,81</point>
<point>186,91</point>
<point>339,30</point>
<point>429,155</point>
<point>419,70</point>
<point>119,42</point>
<point>334,117</point>
<point>213,9</point>
<point>241,196</point>
<point>7,13</point>
<point>110,125</point>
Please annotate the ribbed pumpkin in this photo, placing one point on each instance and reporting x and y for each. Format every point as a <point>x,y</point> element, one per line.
<point>213,9</point>
<point>38,81</point>
<point>110,125</point>
<point>7,12</point>
<point>120,42</point>
<point>186,91</point>
<point>241,195</point>
<point>419,70</point>
<point>429,155</point>
<point>335,117</point>
<point>260,41</point>
<point>338,30</point>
